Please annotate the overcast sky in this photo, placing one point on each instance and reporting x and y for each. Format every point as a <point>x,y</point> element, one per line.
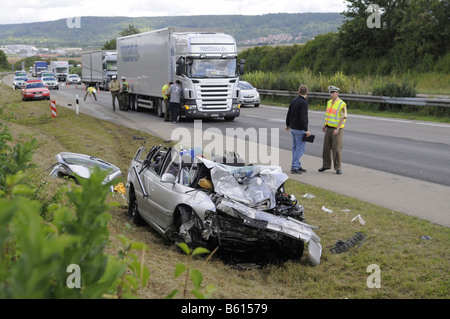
<point>25,11</point>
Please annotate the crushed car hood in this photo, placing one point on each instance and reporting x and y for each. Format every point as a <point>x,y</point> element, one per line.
<point>254,186</point>
<point>250,193</point>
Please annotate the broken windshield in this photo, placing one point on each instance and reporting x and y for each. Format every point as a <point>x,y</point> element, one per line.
<point>211,68</point>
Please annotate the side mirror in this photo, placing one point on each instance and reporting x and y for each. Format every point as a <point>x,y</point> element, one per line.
<point>168,178</point>
<point>241,66</point>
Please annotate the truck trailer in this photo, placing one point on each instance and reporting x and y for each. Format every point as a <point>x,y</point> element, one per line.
<point>204,61</point>
<point>38,67</point>
<point>97,68</point>
<point>60,69</point>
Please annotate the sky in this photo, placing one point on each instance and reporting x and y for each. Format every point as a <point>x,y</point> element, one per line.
<point>26,11</point>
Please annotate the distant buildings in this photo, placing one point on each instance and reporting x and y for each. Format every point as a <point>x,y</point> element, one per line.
<point>21,50</point>
<point>274,39</point>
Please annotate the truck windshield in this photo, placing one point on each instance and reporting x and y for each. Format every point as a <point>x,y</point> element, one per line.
<point>212,68</point>
<point>111,65</point>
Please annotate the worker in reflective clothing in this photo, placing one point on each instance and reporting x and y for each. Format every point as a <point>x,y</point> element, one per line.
<point>166,95</point>
<point>125,88</point>
<point>335,118</point>
<point>90,90</point>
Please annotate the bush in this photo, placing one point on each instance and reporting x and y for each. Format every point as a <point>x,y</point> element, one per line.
<point>394,89</point>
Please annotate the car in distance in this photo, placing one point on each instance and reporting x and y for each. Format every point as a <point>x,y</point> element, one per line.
<point>20,73</point>
<point>19,82</point>
<point>248,95</point>
<point>51,82</point>
<point>35,90</point>
<point>73,79</point>
<point>242,209</point>
<point>46,74</point>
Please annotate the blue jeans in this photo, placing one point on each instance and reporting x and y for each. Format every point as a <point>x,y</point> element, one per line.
<point>298,148</point>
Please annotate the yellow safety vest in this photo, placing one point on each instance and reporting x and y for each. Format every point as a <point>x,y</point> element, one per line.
<point>165,91</point>
<point>90,89</point>
<point>333,113</point>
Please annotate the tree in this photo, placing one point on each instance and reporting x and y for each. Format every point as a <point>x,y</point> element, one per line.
<point>131,29</point>
<point>4,65</point>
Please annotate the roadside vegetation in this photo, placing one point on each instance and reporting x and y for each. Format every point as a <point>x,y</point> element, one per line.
<point>130,261</point>
<point>407,55</point>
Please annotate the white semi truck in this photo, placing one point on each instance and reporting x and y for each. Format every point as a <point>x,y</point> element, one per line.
<point>60,69</point>
<point>97,68</point>
<point>204,61</point>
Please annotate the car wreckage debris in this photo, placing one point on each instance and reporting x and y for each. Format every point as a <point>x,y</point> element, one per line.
<point>341,246</point>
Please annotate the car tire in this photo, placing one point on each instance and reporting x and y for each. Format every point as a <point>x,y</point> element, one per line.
<point>229,118</point>
<point>133,210</point>
<point>256,105</point>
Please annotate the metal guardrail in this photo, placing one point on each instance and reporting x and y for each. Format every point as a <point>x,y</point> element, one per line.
<point>417,101</point>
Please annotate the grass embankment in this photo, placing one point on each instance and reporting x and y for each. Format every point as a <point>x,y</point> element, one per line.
<point>411,267</point>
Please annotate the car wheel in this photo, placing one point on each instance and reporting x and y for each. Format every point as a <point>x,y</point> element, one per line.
<point>229,118</point>
<point>133,211</point>
<point>256,105</point>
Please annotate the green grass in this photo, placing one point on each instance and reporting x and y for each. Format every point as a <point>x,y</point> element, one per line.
<point>411,267</point>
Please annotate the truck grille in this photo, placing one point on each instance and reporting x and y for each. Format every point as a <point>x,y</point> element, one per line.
<point>212,97</point>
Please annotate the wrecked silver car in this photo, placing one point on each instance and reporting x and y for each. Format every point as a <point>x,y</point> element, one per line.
<point>242,209</point>
<point>74,165</point>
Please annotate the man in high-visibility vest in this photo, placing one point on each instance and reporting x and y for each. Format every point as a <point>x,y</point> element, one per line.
<point>335,118</point>
<point>166,95</point>
<point>124,95</point>
<point>90,90</point>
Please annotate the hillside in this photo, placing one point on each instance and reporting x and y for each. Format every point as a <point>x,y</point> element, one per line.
<point>247,29</point>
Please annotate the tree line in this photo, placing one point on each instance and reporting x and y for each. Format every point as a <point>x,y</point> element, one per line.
<point>412,35</point>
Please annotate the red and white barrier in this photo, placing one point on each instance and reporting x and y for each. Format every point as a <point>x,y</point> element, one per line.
<point>53,108</point>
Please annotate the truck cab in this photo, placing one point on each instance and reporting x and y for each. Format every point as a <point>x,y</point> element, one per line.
<point>209,73</point>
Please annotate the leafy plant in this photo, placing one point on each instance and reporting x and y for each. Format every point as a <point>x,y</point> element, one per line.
<point>137,274</point>
<point>195,275</point>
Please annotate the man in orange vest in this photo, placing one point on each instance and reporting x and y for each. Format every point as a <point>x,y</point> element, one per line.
<point>335,118</point>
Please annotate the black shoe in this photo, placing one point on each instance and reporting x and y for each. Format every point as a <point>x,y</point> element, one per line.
<point>295,171</point>
<point>339,172</point>
<point>166,121</point>
<point>302,170</point>
<point>322,169</point>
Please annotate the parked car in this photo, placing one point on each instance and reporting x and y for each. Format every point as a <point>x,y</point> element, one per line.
<point>243,210</point>
<point>35,90</point>
<point>51,82</point>
<point>75,165</point>
<point>19,82</point>
<point>73,79</point>
<point>248,95</point>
